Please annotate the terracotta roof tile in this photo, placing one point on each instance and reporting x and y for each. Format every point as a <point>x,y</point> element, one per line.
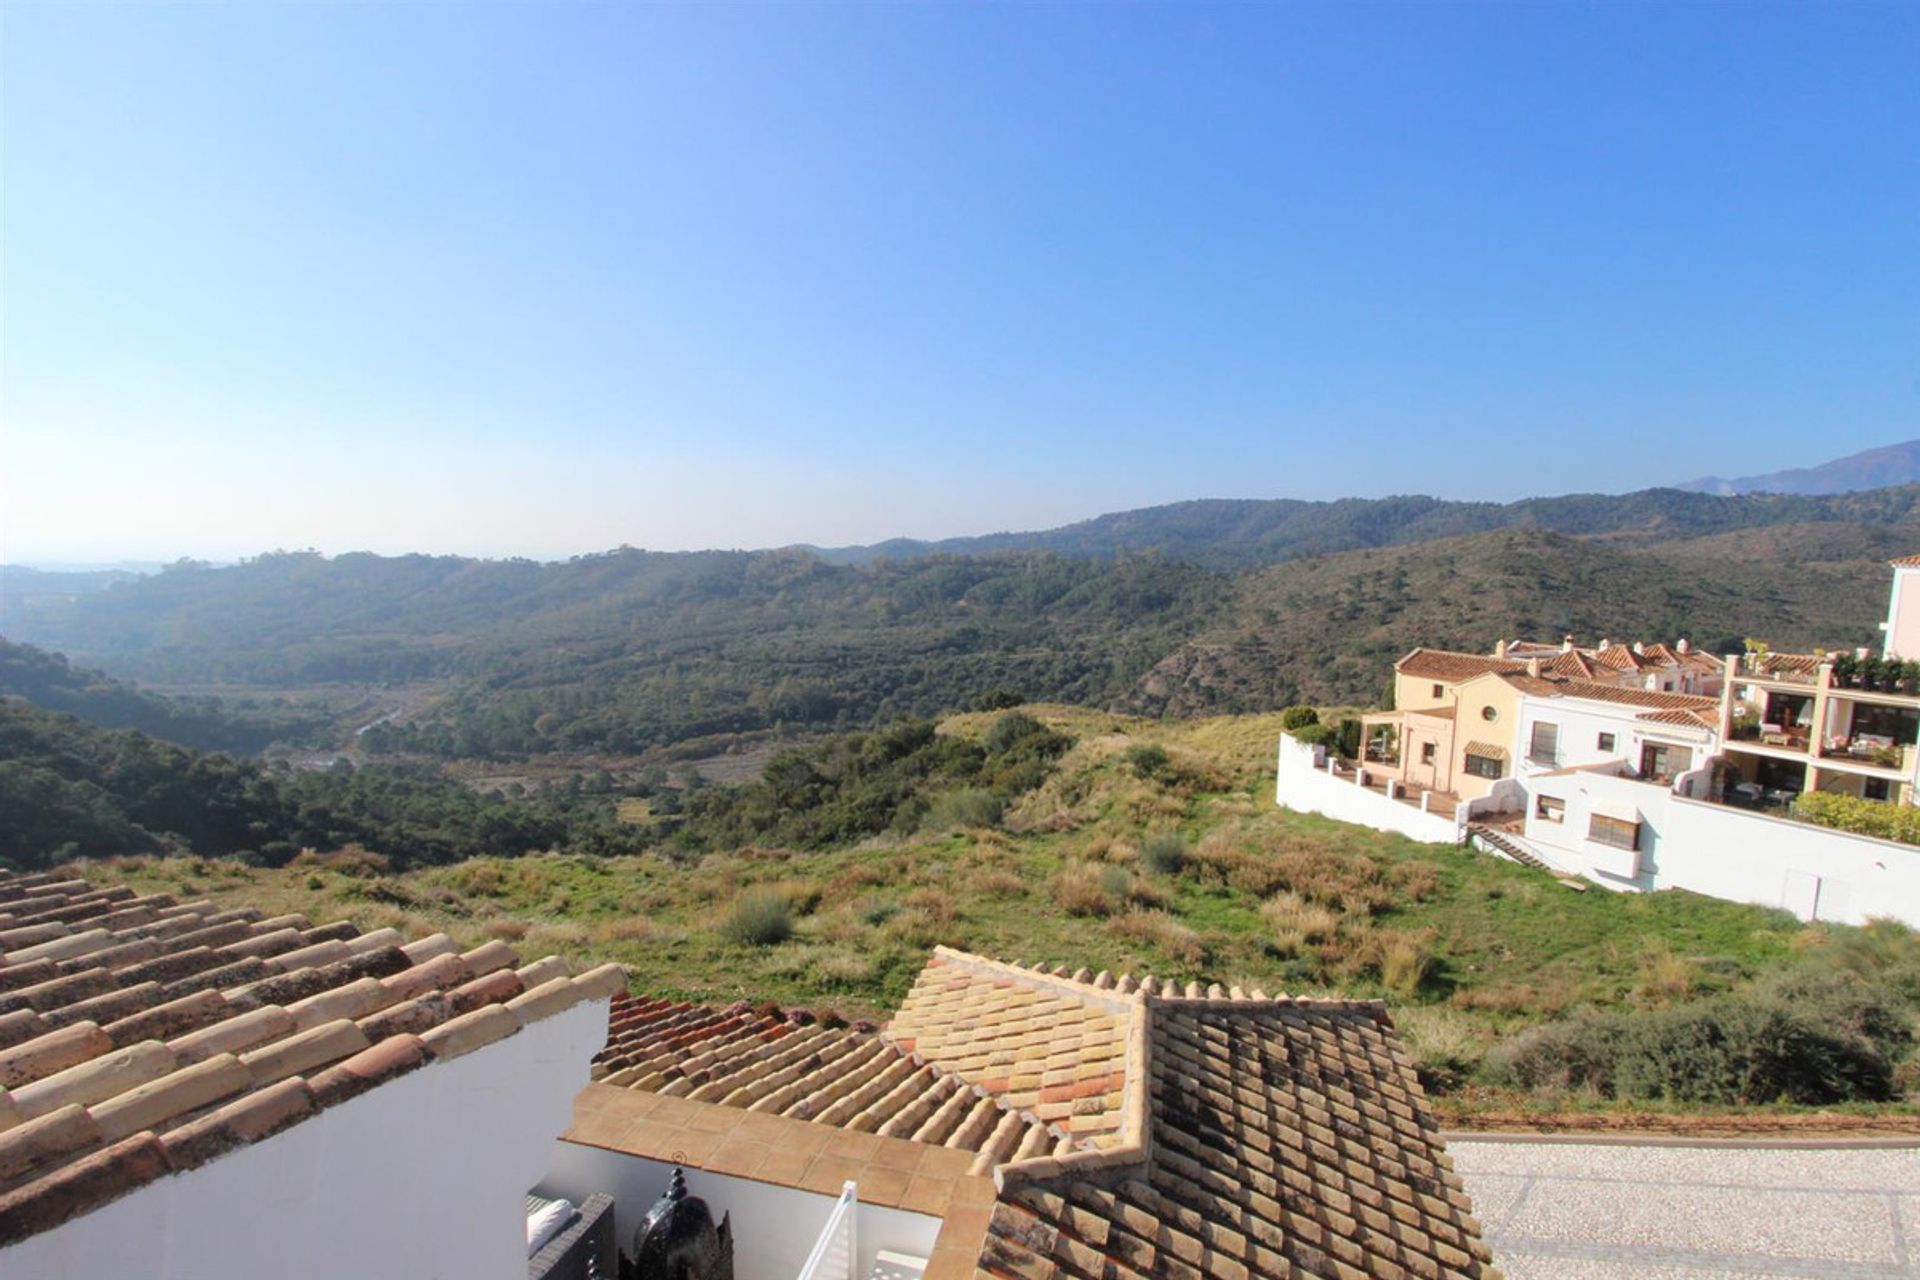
<point>1443,664</point>
<point>123,1019</point>
<point>1162,1130</point>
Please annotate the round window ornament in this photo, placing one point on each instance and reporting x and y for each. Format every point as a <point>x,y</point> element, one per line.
<point>1489,714</point>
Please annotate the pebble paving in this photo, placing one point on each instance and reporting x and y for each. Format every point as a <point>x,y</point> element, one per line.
<point>1593,1211</point>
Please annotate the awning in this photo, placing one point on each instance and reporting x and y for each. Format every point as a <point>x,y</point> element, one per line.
<point>1486,750</point>
<point>1618,810</point>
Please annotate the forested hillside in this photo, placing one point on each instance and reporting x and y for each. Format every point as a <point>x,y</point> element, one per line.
<point>69,789</point>
<point>49,680</point>
<point>632,650</point>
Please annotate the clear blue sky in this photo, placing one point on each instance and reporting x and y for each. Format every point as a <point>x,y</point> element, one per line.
<point>544,278</point>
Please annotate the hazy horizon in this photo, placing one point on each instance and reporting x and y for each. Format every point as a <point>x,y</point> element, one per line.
<point>544,280</point>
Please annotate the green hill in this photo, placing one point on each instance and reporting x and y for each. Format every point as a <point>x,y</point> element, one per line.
<point>633,650</point>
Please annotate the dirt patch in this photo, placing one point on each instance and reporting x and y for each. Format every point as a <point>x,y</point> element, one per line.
<point>1810,1125</point>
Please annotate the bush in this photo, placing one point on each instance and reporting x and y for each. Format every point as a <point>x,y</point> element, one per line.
<point>1405,966</point>
<point>998,699</point>
<point>1861,816</point>
<point>1298,718</point>
<point>1147,760</point>
<point>760,918</point>
<point>1807,1040</point>
<point>968,808</point>
<point>1314,735</point>
<point>1164,853</point>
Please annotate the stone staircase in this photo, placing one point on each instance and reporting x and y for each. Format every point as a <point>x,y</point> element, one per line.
<point>1494,840</point>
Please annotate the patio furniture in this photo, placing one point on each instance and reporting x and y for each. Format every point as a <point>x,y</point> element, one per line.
<point>583,1250</point>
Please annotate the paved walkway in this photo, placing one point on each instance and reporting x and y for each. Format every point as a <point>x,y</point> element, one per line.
<point>1592,1211</point>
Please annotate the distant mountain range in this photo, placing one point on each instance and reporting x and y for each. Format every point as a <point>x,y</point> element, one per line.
<point>1230,534</point>
<point>1892,464</point>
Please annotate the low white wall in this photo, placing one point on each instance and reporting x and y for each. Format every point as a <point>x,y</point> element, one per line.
<point>424,1177</point>
<point>774,1228</point>
<point>1815,872</point>
<point>1304,785</point>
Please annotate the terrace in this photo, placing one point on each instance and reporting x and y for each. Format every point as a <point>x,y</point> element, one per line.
<point>1444,804</point>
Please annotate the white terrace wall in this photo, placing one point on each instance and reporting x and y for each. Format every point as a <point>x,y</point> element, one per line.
<point>1304,785</point>
<point>424,1177</point>
<point>1814,872</point>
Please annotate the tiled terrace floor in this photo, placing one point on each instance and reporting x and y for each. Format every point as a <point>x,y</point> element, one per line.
<point>1587,1211</point>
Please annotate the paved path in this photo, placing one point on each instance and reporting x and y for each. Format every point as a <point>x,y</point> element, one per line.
<point>1593,1211</point>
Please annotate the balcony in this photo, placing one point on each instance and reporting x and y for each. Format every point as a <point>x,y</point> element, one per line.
<point>1870,749</point>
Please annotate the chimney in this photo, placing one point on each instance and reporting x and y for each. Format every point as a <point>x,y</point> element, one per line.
<point>1605,644</point>
<point>1500,648</point>
<point>1566,644</point>
<point>1533,667</point>
<point>1639,649</point>
<point>1683,646</point>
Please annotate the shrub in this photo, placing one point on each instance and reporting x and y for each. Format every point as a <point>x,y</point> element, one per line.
<point>1082,889</point>
<point>997,884</point>
<point>759,918</point>
<point>997,699</point>
<point>1298,717</point>
<point>1444,1046</point>
<point>1164,853</point>
<point>1861,816</point>
<point>1806,1040</point>
<point>1314,735</point>
<point>967,808</point>
<point>1148,760</point>
<point>1290,914</point>
<point>1405,966</point>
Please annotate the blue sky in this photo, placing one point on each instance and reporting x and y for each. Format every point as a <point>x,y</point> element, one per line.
<point>547,278</point>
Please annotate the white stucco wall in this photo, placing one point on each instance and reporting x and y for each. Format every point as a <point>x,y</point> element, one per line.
<point>774,1228</point>
<point>1581,723</point>
<point>1814,872</point>
<point>1304,785</point>
<point>421,1178</point>
<point>1566,844</point>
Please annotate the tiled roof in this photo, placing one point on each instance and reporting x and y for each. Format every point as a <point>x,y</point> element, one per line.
<point>1695,718</point>
<point>1544,687</point>
<point>140,1036</point>
<point>1905,562</point>
<point>1441,664</point>
<point>1247,1136</point>
<point>1050,1049</point>
<point>1487,750</point>
<point>764,1061</point>
<point>1570,664</point>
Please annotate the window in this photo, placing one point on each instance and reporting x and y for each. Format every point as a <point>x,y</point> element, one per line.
<point>1664,763</point>
<point>1615,833</point>
<point>1550,809</point>
<point>1546,743</point>
<point>1485,766</point>
<point>1426,753</point>
<point>1877,789</point>
<point>1489,714</point>
<point>1606,742</point>
<point>1439,691</point>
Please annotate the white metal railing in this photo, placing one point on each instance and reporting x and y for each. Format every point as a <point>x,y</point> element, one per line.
<point>835,1252</point>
